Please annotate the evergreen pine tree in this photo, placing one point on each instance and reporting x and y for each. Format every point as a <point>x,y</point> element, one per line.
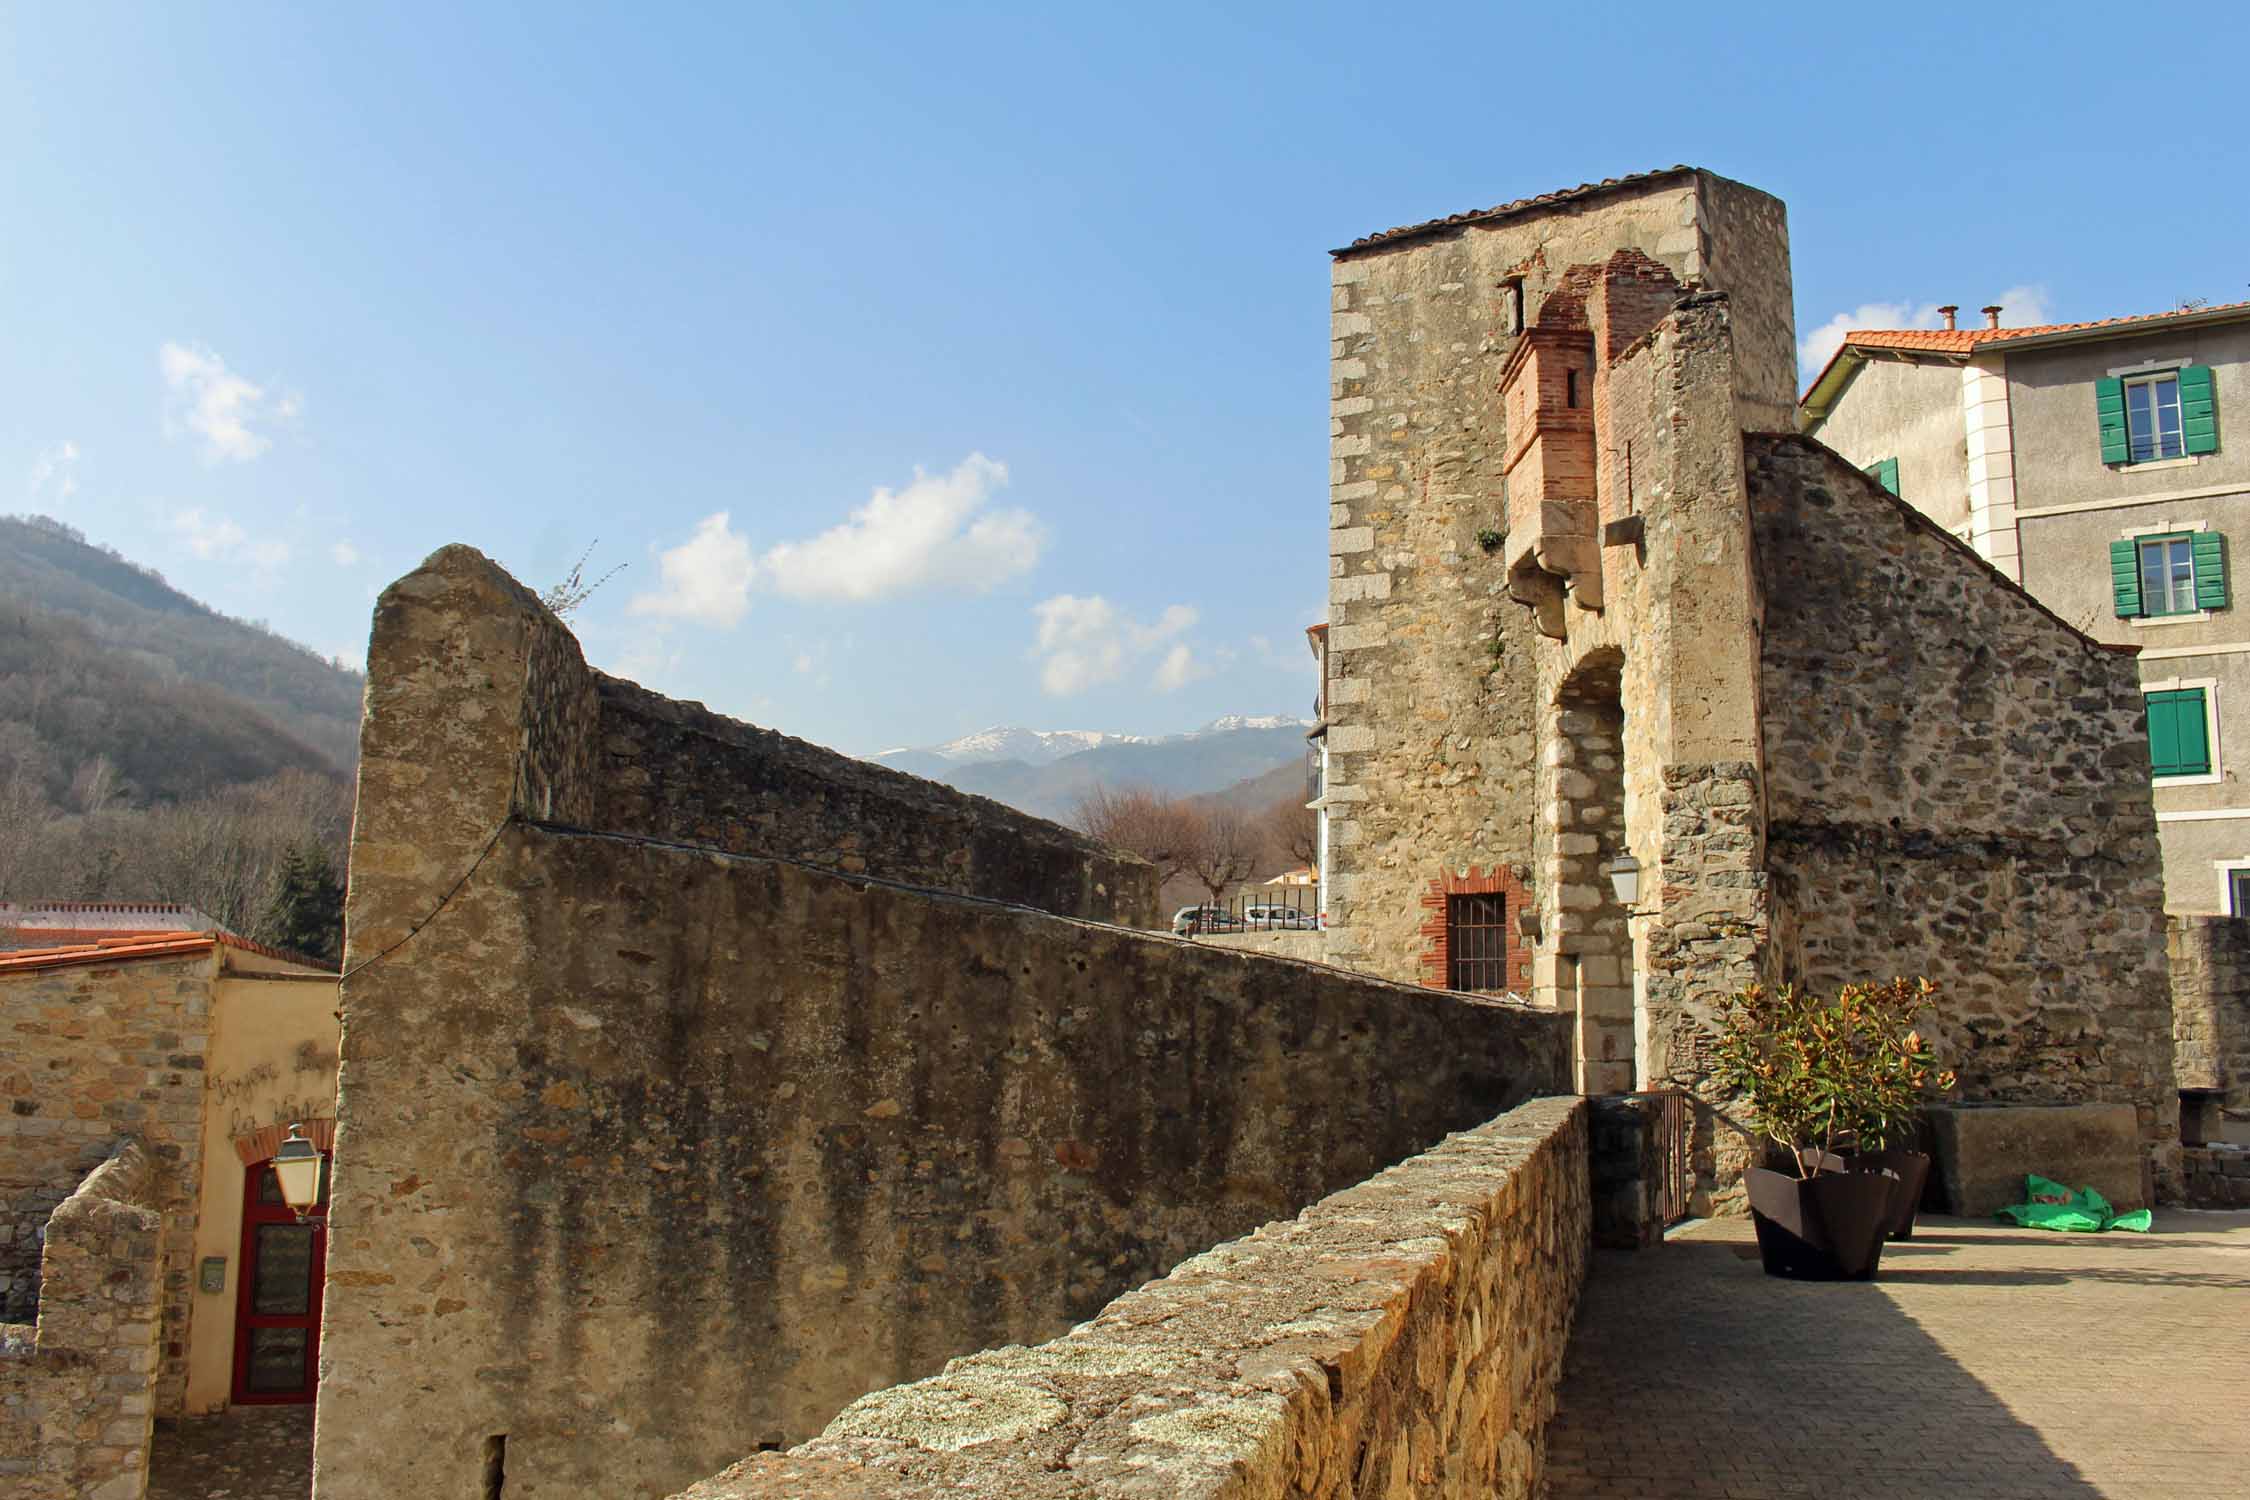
<point>307,912</point>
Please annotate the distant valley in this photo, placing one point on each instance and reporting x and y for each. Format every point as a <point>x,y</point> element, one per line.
<point>1046,772</point>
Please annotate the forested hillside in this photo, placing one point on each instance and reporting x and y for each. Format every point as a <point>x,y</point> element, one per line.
<point>130,610</point>
<point>152,749</point>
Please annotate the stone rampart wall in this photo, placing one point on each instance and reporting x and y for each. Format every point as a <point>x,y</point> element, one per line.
<point>485,706</point>
<point>2210,963</point>
<point>94,1053</point>
<point>648,1155</point>
<point>76,1390</point>
<point>1956,787</point>
<point>676,771</point>
<point>1402,1337</point>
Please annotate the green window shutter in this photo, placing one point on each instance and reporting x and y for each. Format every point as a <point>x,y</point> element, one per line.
<point>2199,410</point>
<point>2109,412</point>
<point>2177,744</point>
<point>1885,473</point>
<point>2125,578</point>
<point>2210,570</point>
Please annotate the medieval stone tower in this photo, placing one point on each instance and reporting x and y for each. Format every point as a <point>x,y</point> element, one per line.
<point>1432,701</point>
<point>1627,685</point>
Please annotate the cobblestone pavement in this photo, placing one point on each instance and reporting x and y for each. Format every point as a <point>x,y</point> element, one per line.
<point>247,1453</point>
<point>1986,1363</point>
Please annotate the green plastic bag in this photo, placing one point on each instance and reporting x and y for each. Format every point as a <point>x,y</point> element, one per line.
<point>2053,1206</point>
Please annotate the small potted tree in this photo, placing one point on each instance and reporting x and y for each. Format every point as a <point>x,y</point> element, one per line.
<point>1827,1077</point>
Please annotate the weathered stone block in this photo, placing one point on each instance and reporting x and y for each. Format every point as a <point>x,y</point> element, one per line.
<point>1984,1153</point>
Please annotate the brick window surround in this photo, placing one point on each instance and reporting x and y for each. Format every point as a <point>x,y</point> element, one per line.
<point>1437,949</point>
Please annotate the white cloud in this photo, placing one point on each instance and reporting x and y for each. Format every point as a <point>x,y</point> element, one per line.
<point>933,534</point>
<point>54,474</point>
<point>927,535</point>
<point>205,397</point>
<point>1084,641</point>
<point>220,539</point>
<point>346,555</point>
<point>706,578</point>
<point>1179,668</point>
<point>2020,305</point>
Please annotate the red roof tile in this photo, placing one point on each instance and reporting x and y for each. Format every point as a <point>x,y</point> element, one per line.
<point>114,948</point>
<point>1964,341</point>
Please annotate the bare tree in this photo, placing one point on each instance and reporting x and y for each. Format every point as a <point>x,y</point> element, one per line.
<point>1165,831</point>
<point>1226,851</point>
<point>1293,830</point>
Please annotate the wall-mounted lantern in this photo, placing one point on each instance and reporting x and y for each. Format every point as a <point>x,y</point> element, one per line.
<point>1624,874</point>
<point>296,1166</point>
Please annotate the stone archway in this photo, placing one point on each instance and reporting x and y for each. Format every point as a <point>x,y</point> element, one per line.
<point>1586,959</point>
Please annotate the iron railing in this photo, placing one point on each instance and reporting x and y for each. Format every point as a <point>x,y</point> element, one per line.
<point>1272,908</point>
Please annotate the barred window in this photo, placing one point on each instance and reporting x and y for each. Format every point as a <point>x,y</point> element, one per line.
<point>1476,937</point>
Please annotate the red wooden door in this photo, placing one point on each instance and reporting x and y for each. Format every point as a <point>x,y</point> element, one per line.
<point>277,1307</point>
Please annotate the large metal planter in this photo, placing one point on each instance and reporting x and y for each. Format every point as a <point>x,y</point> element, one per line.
<point>1826,1227</point>
<point>1912,1171</point>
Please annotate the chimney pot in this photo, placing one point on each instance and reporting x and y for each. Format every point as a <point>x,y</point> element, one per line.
<point>1947,313</point>
<point>1991,315</point>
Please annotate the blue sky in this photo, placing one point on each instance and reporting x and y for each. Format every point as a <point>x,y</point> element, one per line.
<point>934,367</point>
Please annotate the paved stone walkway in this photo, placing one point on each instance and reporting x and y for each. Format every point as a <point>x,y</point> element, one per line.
<point>247,1453</point>
<point>1986,1363</point>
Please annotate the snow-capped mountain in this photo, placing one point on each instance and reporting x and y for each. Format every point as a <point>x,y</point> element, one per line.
<point>1044,771</point>
<point>1034,747</point>
<point>1039,747</point>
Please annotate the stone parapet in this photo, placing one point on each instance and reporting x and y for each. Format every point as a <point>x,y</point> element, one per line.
<point>77,1396</point>
<point>1404,1336</point>
<point>647,1154</point>
<point>481,707</point>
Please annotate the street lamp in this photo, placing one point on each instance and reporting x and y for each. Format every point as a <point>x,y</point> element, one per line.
<point>296,1166</point>
<point>1624,874</point>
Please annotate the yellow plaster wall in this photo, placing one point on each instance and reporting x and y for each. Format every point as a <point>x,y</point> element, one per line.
<point>272,1060</point>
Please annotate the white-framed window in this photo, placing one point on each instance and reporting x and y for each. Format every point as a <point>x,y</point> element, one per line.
<point>2153,429</point>
<point>2234,886</point>
<point>2167,574</point>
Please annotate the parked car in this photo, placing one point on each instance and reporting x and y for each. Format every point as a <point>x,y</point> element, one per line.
<point>1279,919</point>
<point>1190,920</point>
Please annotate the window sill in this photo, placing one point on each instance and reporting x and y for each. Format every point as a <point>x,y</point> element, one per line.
<point>2151,466</point>
<point>2194,617</point>
<point>2206,778</point>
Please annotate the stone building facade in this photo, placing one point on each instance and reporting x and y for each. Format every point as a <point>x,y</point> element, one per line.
<point>653,1149</point>
<point>1603,633</point>
<point>2095,463</point>
<point>197,1045</point>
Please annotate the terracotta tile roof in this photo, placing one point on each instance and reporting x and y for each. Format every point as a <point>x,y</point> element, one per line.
<point>1508,210</point>
<point>113,948</point>
<point>1962,340</point>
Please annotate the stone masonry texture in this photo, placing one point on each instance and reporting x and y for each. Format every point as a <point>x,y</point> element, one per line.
<point>1432,698</point>
<point>1952,792</point>
<point>77,1399</point>
<point>650,1153</point>
<point>1589,601</point>
<point>1402,1337</point>
<point>94,1054</point>
<point>2210,968</point>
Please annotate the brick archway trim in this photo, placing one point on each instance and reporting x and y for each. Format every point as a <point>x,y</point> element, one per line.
<point>260,1145</point>
<point>1437,947</point>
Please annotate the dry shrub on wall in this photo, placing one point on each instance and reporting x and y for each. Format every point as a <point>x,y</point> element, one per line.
<point>1846,1073</point>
